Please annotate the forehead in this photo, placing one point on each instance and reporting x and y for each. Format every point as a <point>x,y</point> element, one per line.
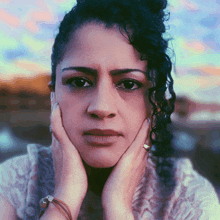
<point>95,33</point>
<point>94,43</point>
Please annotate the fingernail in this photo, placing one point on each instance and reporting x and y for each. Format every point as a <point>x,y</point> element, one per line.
<point>50,129</point>
<point>51,96</point>
<point>55,106</point>
<point>147,121</point>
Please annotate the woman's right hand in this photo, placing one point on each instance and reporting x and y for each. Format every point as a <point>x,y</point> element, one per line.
<point>71,182</point>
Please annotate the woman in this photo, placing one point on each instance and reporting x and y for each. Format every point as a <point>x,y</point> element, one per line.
<point>109,71</point>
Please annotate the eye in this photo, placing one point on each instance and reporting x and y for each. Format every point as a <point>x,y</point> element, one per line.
<point>77,82</point>
<point>129,84</point>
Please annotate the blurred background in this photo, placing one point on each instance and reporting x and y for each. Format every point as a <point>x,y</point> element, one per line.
<point>27,35</point>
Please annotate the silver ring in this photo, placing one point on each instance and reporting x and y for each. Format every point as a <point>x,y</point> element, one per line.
<point>146,147</point>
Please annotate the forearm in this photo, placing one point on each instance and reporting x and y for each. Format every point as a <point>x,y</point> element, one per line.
<point>52,212</point>
<point>73,202</point>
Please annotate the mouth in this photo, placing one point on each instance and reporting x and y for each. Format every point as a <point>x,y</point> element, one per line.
<point>101,140</point>
<point>102,132</point>
<point>101,137</point>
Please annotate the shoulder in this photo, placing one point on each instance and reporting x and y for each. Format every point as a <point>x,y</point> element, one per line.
<point>194,196</point>
<point>14,171</point>
<point>18,174</point>
<point>187,177</point>
<point>172,189</point>
<point>14,174</point>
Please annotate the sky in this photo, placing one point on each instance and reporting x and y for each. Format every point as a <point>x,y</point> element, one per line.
<point>28,28</point>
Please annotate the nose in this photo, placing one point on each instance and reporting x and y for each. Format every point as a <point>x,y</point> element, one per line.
<point>103,101</point>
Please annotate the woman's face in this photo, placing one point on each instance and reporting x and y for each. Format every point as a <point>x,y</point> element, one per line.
<point>100,84</point>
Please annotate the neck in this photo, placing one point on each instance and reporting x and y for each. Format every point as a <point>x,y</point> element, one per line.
<point>97,178</point>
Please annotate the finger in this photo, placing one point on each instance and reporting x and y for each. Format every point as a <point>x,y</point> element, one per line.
<point>147,144</point>
<point>55,146</point>
<point>57,158</point>
<point>140,139</point>
<point>57,126</point>
<point>52,100</point>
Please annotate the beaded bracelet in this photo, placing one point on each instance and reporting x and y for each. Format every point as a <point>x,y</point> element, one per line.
<point>61,206</point>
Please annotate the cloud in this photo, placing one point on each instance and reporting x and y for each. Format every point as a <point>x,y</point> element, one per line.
<point>9,19</point>
<point>194,53</point>
<point>22,67</point>
<point>48,31</point>
<point>192,6</point>
<point>30,66</point>
<point>38,17</point>
<point>5,1</point>
<point>211,21</point>
<point>212,70</point>
<point>212,41</point>
<point>7,42</point>
<point>195,46</point>
<point>12,54</point>
<point>32,26</point>
<point>212,93</point>
<point>33,44</point>
<point>45,16</point>
<point>205,87</point>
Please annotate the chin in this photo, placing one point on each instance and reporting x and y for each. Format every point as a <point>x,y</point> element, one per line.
<point>101,163</point>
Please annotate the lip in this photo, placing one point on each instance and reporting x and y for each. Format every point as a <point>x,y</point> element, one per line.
<point>99,132</point>
<point>101,140</point>
<point>101,137</point>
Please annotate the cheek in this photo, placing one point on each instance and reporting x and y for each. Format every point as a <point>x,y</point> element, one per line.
<point>70,115</point>
<point>139,111</point>
<point>139,107</point>
<point>68,108</point>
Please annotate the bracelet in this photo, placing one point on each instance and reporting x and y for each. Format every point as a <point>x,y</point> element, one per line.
<point>61,206</point>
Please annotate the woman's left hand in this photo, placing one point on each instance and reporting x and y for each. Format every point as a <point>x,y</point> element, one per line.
<point>121,184</point>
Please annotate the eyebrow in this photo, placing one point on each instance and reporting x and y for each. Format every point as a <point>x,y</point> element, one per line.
<point>93,72</point>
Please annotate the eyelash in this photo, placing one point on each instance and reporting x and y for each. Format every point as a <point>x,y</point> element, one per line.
<point>69,82</point>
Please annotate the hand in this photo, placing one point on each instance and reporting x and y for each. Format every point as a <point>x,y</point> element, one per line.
<point>70,174</point>
<point>120,186</point>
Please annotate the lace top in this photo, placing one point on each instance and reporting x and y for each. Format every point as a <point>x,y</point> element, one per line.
<point>172,191</point>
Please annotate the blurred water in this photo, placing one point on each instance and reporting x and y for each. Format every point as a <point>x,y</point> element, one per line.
<point>205,116</point>
<point>184,141</point>
<point>8,141</point>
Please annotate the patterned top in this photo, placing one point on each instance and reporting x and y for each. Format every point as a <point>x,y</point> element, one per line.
<point>169,190</point>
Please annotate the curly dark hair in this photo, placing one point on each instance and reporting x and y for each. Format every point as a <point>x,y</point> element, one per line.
<point>143,22</point>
